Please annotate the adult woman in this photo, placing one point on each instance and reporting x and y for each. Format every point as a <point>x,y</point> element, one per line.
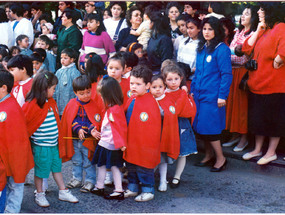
<point>134,19</point>
<point>266,83</point>
<point>6,29</point>
<point>172,11</point>
<point>160,45</point>
<point>68,36</point>
<point>229,28</point>
<point>210,88</point>
<point>237,103</point>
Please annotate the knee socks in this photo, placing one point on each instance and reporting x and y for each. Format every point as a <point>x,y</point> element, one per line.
<point>181,162</point>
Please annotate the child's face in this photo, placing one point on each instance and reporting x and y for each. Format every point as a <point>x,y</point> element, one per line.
<point>17,73</point>
<point>45,30</point>
<point>116,11</point>
<point>24,43</point>
<point>50,91</point>
<point>106,15</point>
<point>93,25</point>
<point>36,66</point>
<point>173,13</point>
<point>3,91</point>
<point>15,52</point>
<point>138,87</point>
<point>139,52</point>
<point>173,81</point>
<point>42,44</point>
<point>182,27</point>
<point>157,88</point>
<point>65,60</point>
<point>84,95</point>
<point>192,31</point>
<point>115,69</point>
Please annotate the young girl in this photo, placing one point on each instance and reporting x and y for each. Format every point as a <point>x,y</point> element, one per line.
<point>170,131</point>
<point>172,76</point>
<point>96,39</point>
<point>45,134</point>
<point>137,49</point>
<point>109,151</point>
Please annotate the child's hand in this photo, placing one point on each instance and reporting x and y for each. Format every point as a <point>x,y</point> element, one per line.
<point>221,102</point>
<point>81,134</point>
<point>123,148</point>
<point>96,134</point>
<point>184,88</point>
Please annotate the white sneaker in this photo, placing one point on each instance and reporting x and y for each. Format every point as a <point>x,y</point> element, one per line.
<point>73,183</point>
<point>41,200</point>
<point>108,178</point>
<point>65,195</point>
<point>162,186</point>
<point>129,193</point>
<point>87,187</point>
<point>144,197</point>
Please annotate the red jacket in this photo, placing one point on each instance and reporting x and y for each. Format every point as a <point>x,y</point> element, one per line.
<point>125,85</point>
<point>69,113</point>
<point>144,130</point>
<point>15,147</point>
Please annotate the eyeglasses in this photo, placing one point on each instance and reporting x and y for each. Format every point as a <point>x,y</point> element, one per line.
<point>136,15</point>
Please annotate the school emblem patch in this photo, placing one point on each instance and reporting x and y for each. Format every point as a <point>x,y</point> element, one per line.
<point>172,109</point>
<point>144,116</point>
<point>111,118</point>
<point>97,117</point>
<point>129,94</point>
<point>209,58</point>
<point>3,116</point>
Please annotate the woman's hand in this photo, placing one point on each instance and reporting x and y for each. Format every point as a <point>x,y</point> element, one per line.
<point>278,62</point>
<point>96,134</point>
<point>261,26</point>
<point>221,102</point>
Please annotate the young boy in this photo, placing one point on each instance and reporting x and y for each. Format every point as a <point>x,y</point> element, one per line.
<point>66,74</point>
<point>38,65</point>
<point>144,127</point>
<point>131,61</point>
<point>15,149</point>
<point>23,43</point>
<point>21,67</point>
<point>80,116</point>
<point>47,30</point>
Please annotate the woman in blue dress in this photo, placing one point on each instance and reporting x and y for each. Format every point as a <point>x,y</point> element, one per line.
<point>210,88</point>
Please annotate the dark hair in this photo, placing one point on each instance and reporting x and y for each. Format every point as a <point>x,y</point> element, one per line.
<point>98,17</point>
<point>111,91</point>
<point>170,5</point>
<point>123,5</point>
<point>20,38</point>
<point>41,52</point>
<point>253,20</point>
<point>160,24</point>
<point>274,12</point>
<point>22,62</point>
<point>80,83</point>
<point>150,9</point>
<point>196,22</point>
<point>118,56</point>
<point>131,59</point>
<point>134,46</point>
<point>36,57</point>
<point>172,69</point>
<point>7,58</point>
<point>219,34</point>
<point>3,16</point>
<point>18,9</point>
<point>6,78</point>
<point>94,67</point>
<point>194,5</point>
<point>229,24</point>
<point>142,71</point>
<point>186,70</point>
<point>71,14</point>
<point>47,17</point>
<point>183,17</point>
<point>41,83</point>
<point>3,53</point>
<point>12,48</point>
<point>38,6</point>
<point>129,14</point>
<point>217,7</point>
<point>108,11</point>
<point>70,53</point>
<point>47,40</point>
<point>156,77</point>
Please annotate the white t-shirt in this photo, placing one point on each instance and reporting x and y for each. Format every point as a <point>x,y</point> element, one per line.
<point>7,34</point>
<point>111,26</point>
<point>24,27</point>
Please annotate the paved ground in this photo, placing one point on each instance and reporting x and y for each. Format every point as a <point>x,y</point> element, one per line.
<point>243,188</point>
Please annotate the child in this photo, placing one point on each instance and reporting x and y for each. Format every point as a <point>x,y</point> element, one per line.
<point>23,43</point>
<point>131,61</point>
<point>81,115</point>
<point>43,54</point>
<point>66,74</point>
<point>15,50</point>
<point>186,108</point>
<point>113,138</point>
<point>38,65</point>
<point>21,67</point>
<point>4,51</point>
<point>144,128</point>
<point>5,62</point>
<point>137,49</point>
<point>45,134</point>
<point>15,148</point>
<point>170,143</point>
<point>47,30</point>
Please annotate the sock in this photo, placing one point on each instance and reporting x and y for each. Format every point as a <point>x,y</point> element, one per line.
<point>181,162</point>
<point>45,184</point>
<point>162,171</point>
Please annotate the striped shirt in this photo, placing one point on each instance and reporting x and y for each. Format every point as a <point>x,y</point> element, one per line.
<point>47,133</point>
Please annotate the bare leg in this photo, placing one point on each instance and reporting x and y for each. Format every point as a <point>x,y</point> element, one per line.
<point>208,152</point>
<point>243,141</point>
<point>220,158</point>
<point>59,180</point>
<point>273,143</point>
<point>38,184</point>
<point>258,144</point>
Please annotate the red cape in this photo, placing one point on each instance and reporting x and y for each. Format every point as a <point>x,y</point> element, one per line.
<point>97,97</point>
<point>144,129</point>
<point>170,141</point>
<point>117,119</point>
<point>15,146</point>
<point>69,113</point>
<point>125,85</point>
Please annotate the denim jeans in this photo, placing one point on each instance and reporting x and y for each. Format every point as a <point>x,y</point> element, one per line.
<point>138,174</point>
<point>14,196</point>
<point>81,162</point>
<point>2,200</point>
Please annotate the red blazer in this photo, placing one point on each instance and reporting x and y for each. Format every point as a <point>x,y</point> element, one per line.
<point>69,113</point>
<point>125,85</point>
<point>15,147</point>
<point>144,130</point>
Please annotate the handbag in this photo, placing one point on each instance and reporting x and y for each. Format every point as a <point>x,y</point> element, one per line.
<point>243,82</point>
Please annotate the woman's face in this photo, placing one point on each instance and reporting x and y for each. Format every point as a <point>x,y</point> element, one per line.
<point>65,20</point>
<point>136,18</point>
<point>192,30</point>
<point>173,13</point>
<point>208,32</point>
<point>261,15</point>
<point>245,17</point>
<point>116,11</point>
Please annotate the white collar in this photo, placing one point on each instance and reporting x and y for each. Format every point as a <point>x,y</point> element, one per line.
<point>169,90</point>
<point>160,97</point>
<point>24,82</point>
<point>69,66</point>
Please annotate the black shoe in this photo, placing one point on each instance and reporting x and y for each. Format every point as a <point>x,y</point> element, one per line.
<point>172,185</point>
<point>97,191</point>
<point>207,163</point>
<point>214,169</point>
<point>113,195</point>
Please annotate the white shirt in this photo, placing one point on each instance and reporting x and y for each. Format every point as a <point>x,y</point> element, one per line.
<point>111,26</point>
<point>7,34</point>
<point>24,27</point>
<point>18,92</point>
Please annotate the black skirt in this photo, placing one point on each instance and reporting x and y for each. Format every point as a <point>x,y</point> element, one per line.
<point>266,114</point>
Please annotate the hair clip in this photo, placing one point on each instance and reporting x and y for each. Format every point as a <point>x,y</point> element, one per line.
<point>105,77</point>
<point>95,11</point>
<point>90,55</point>
<point>131,46</point>
<point>46,76</point>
